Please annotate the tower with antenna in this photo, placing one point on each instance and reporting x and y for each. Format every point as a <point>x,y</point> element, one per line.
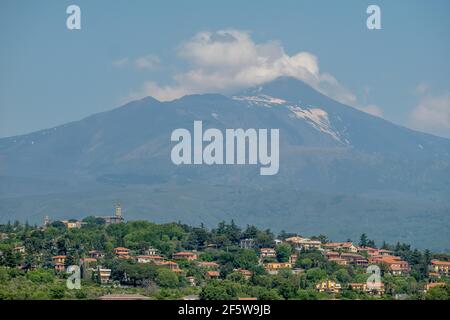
<point>116,218</point>
<point>46,221</point>
<point>118,211</point>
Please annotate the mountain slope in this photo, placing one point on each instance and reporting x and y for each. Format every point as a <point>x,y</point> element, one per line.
<point>342,171</point>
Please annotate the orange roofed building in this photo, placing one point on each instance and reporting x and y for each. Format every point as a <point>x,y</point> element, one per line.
<point>341,246</point>
<point>246,273</point>
<point>275,267</point>
<point>395,264</point>
<point>304,243</point>
<point>374,252</point>
<point>148,259</point>
<point>442,268</point>
<point>212,274</point>
<point>432,285</point>
<point>188,255</point>
<point>169,264</point>
<point>121,251</point>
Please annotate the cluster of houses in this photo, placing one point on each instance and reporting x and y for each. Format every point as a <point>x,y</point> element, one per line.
<point>342,253</point>
<point>149,255</point>
<point>346,253</point>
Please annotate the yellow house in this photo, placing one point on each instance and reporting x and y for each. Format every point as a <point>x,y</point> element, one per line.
<point>329,286</point>
<point>362,286</point>
<point>104,275</point>
<point>59,263</point>
<point>72,224</point>
<point>277,265</point>
<point>274,267</point>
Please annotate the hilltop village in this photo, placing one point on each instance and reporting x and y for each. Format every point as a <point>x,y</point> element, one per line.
<point>144,260</point>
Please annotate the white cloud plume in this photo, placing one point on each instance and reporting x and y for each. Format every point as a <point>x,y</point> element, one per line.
<point>432,113</point>
<point>228,60</point>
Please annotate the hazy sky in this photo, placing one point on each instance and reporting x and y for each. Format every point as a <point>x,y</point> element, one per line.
<point>50,75</point>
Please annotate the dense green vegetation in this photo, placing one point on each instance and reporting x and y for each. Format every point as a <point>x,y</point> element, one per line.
<point>31,275</point>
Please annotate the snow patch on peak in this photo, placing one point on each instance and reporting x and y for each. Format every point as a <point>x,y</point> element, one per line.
<point>261,100</point>
<point>319,119</point>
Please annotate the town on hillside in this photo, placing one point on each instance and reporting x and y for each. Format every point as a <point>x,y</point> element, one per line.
<point>121,260</point>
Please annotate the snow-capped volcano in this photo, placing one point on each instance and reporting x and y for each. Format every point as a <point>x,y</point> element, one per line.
<point>317,117</point>
<point>342,171</point>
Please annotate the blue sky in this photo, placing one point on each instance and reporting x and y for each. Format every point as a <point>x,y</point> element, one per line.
<point>125,50</point>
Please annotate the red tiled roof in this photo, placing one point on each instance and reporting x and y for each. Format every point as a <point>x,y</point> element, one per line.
<point>440,263</point>
<point>347,244</point>
<point>367,248</point>
<point>435,284</point>
<point>395,267</point>
<point>245,272</point>
<point>338,244</point>
<point>354,255</point>
<point>184,253</point>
